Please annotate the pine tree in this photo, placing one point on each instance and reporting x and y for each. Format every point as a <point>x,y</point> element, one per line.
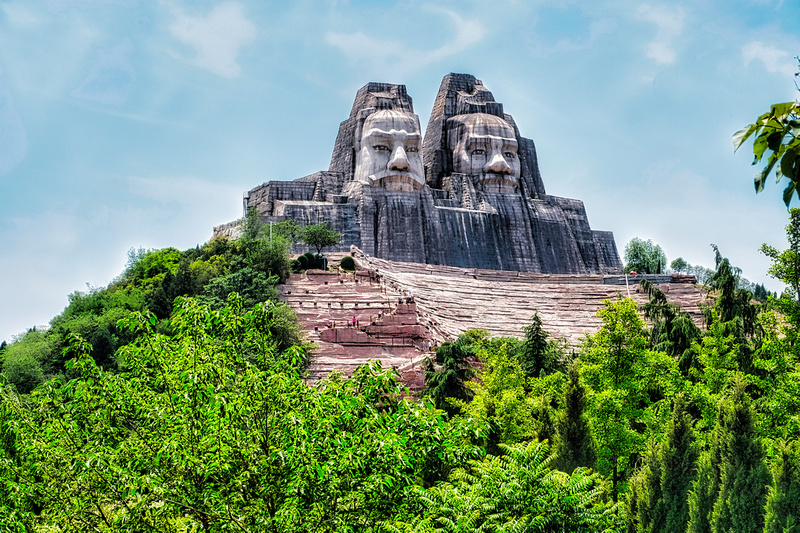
<point>644,500</point>
<point>574,445</point>
<point>449,381</point>
<point>744,477</point>
<point>658,499</point>
<point>783,501</point>
<point>678,468</point>
<point>537,354</point>
<point>705,488</point>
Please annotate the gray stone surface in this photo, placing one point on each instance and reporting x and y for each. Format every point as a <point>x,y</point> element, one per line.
<point>483,202</point>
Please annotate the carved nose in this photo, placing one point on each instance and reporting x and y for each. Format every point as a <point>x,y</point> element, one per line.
<point>497,165</point>
<point>399,160</point>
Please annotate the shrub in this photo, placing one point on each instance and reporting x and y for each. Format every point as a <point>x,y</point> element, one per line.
<point>348,263</point>
<point>296,265</point>
<point>23,371</point>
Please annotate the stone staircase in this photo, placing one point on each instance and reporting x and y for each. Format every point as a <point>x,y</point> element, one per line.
<point>385,328</point>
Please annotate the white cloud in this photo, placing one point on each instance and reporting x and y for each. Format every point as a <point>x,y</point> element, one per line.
<point>216,37</point>
<point>111,77</point>
<point>396,57</point>
<point>13,136</point>
<point>774,59</point>
<point>669,21</point>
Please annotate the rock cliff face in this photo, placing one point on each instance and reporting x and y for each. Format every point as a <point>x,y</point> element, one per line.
<point>470,195</point>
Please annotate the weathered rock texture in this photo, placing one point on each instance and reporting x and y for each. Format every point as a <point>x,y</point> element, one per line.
<point>493,215</point>
<point>447,301</point>
<point>452,300</point>
<point>327,302</point>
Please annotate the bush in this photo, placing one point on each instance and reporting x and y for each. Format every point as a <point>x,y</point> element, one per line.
<point>303,262</point>
<point>348,263</point>
<point>296,265</point>
<point>269,257</point>
<point>311,260</point>
<point>23,371</point>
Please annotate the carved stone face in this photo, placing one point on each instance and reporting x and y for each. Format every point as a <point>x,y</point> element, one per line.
<point>485,147</point>
<point>389,153</point>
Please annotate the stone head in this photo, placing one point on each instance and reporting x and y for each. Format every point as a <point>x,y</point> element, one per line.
<point>485,147</point>
<point>388,151</point>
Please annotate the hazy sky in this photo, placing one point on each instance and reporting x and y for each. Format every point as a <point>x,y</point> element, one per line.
<point>127,123</point>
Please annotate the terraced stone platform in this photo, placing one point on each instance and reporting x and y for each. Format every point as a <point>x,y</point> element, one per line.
<point>327,302</point>
<point>452,300</point>
<point>448,301</point>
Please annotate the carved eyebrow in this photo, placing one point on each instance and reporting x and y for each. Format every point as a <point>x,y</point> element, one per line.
<point>376,134</point>
<point>478,141</point>
<point>488,139</point>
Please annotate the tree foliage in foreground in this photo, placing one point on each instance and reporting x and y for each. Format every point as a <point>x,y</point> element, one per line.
<point>517,491</point>
<point>777,136</point>
<point>731,487</point>
<point>628,385</point>
<point>783,500</point>
<point>658,501</point>
<point>213,429</point>
<point>574,445</point>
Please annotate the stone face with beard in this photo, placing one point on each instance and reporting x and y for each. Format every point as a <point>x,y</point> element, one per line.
<point>484,146</point>
<point>388,152</point>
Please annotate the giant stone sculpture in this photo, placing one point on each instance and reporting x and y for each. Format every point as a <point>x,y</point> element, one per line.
<point>470,195</point>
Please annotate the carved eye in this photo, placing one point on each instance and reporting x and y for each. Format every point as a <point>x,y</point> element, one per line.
<point>510,155</point>
<point>380,148</point>
<point>479,151</point>
<point>412,149</point>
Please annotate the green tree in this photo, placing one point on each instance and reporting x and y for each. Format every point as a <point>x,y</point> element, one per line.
<point>673,331</point>
<point>251,225</point>
<point>730,301</point>
<point>783,500</point>
<point>680,265</point>
<point>449,381</point>
<point>744,477</point>
<point>270,257</point>
<point>678,467</point>
<point>537,354</point>
<point>499,398</point>
<point>250,284</point>
<point>778,401</point>
<point>644,257</point>
<point>319,236</point>
<point>516,491</point>
<point>786,264</point>
<point>705,487</point>
<point>213,429</point>
<point>574,445</point>
<point>644,509</point>
<point>777,135</point>
<point>628,384</point>
<point>23,362</point>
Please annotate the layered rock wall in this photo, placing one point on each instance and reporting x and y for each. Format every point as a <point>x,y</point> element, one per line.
<point>469,195</point>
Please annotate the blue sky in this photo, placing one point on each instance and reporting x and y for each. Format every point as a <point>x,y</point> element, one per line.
<point>128,123</point>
